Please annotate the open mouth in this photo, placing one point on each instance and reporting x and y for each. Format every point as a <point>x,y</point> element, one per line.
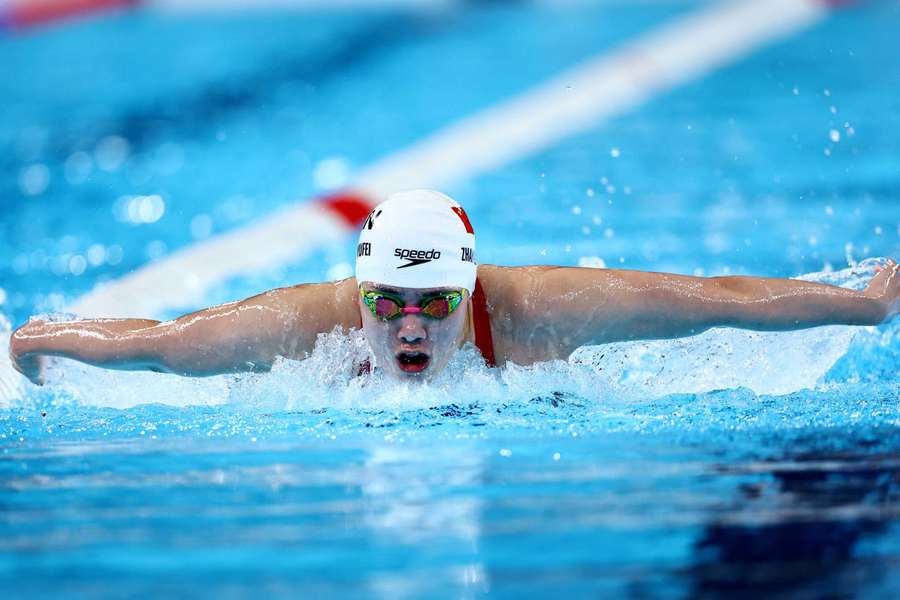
<point>413,362</point>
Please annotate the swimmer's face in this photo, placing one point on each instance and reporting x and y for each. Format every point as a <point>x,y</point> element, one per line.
<point>414,346</point>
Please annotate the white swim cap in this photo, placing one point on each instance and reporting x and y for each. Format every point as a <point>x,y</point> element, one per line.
<point>417,239</point>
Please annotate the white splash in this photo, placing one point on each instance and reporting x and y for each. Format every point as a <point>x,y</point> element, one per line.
<point>766,363</point>
<point>11,382</point>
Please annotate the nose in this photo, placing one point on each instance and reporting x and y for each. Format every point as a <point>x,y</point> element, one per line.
<point>412,329</point>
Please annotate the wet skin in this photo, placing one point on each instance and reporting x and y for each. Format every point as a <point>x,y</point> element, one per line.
<point>536,313</point>
<point>414,346</point>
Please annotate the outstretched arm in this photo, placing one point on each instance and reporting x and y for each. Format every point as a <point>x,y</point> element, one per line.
<point>565,308</point>
<point>240,336</point>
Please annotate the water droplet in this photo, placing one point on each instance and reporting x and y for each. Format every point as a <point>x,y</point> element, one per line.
<point>834,135</point>
<point>615,153</point>
<point>96,255</point>
<point>33,180</point>
<point>77,265</point>
<point>111,152</point>
<point>114,254</point>
<point>78,167</point>
<point>201,226</point>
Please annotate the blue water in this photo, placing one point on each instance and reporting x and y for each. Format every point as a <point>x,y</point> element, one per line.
<point>730,464</point>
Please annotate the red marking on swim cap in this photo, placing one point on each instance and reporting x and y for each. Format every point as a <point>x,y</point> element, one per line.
<point>464,218</point>
<point>352,208</point>
<point>24,14</point>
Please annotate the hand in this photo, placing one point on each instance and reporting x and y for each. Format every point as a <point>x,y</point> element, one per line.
<point>28,364</point>
<point>885,288</point>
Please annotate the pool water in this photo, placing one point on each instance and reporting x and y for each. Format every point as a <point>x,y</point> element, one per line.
<point>730,464</point>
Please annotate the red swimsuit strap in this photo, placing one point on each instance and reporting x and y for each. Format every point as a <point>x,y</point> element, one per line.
<point>483,339</point>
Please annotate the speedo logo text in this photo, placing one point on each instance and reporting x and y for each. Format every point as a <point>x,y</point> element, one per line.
<point>416,257</point>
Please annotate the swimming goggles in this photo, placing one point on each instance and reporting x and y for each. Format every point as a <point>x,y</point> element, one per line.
<point>386,306</point>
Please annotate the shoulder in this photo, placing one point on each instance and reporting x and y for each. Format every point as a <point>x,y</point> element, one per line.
<point>531,306</point>
<point>328,304</point>
<point>521,287</point>
<point>510,294</point>
<point>499,281</point>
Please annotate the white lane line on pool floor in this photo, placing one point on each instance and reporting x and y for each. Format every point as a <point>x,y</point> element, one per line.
<point>574,101</point>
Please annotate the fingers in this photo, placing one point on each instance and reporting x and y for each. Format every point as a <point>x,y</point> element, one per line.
<point>889,268</point>
<point>32,367</point>
<point>890,263</point>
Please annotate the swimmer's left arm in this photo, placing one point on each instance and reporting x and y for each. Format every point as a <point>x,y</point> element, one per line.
<point>594,306</point>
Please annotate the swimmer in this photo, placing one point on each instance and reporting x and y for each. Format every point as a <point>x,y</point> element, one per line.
<point>419,296</point>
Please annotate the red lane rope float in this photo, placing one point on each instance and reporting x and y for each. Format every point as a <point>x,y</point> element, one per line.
<point>21,14</point>
<point>351,207</point>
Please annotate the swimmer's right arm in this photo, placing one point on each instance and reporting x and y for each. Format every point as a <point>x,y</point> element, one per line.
<point>240,336</point>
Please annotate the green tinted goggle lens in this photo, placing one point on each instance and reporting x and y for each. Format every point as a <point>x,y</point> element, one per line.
<point>386,307</point>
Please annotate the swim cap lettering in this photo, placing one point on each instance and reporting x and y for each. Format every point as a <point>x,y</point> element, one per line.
<point>417,239</point>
